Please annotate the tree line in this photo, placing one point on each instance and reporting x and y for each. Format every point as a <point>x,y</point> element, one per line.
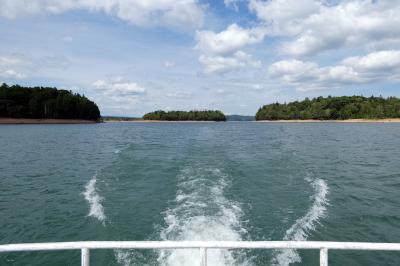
<point>44,102</point>
<point>206,115</point>
<point>333,108</point>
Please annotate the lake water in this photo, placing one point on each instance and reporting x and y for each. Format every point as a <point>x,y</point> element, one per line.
<point>200,181</point>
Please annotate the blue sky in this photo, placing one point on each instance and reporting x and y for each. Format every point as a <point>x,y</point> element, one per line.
<point>136,56</point>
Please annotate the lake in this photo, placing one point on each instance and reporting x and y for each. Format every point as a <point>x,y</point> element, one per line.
<point>200,181</point>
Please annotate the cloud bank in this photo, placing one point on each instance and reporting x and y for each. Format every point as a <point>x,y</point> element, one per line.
<point>308,76</point>
<point>314,26</point>
<point>172,13</point>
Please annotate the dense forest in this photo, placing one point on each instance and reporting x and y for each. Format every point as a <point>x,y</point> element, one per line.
<point>42,102</point>
<point>333,108</point>
<point>206,115</point>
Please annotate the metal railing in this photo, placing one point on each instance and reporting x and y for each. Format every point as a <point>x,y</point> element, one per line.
<point>203,246</point>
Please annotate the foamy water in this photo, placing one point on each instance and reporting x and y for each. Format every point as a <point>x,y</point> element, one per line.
<point>200,211</point>
<point>96,209</point>
<point>299,230</point>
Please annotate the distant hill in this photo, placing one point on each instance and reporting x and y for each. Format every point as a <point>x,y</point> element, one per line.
<point>240,118</point>
<point>205,115</point>
<point>333,108</point>
<point>45,103</point>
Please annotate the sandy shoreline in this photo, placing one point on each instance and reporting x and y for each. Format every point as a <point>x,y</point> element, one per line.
<point>17,121</point>
<point>155,121</point>
<point>386,120</point>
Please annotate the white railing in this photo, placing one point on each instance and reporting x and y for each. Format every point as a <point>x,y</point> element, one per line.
<point>85,246</point>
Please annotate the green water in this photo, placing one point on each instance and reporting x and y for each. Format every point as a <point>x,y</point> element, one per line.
<point>200,181</point>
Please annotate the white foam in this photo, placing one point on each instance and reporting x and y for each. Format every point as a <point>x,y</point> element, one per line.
<point>200,211</point>
<point>94,199</point>
<point>299,230</point>
<point>125,258</point>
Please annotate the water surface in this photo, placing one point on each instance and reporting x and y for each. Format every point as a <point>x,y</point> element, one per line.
<point>200,181</point>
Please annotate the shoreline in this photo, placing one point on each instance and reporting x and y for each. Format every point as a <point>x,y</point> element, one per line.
<point>27,121</point>
<point>156,121</point>
<point>38,121</point>
<point>385,120</point>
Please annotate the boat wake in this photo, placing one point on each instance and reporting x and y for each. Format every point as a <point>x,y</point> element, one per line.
<point>92,196</point>
<point>200,211</point>
<point>96,209</point>
<point>303,225</point>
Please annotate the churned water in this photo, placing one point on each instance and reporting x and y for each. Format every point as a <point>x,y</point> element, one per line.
<point>200,181</point>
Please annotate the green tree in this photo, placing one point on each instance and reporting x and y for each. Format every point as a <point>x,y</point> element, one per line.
<point>43,102</point>
<point>331,108</point>
<point>206,115</point>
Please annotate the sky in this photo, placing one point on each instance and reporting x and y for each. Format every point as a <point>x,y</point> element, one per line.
<point>136,56</point>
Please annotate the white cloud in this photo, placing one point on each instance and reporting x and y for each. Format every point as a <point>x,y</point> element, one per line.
<point>305,76</point>
<point>11,74</point>
<point>118,88</point>
<point>229,40</point>
<point>222,64</point>
<point>284,16</point>
<point>117,91</point>
<point>313,26</point>
<point>175,13</point>
<point>221,51</point>
<point>378,61</point>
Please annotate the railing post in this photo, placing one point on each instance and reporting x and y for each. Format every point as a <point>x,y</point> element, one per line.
<point>323,257</point>
<point>203,257</point>
<point>85,257</point>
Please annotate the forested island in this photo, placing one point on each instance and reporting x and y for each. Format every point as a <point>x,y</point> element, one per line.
<point>206,115</point>
<point>333,108</point>
<point>45,103</point>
